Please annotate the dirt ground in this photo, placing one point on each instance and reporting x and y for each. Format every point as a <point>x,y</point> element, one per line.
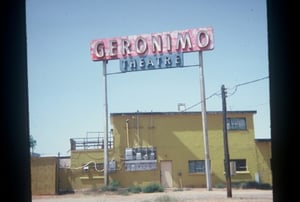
<point>170,195</point>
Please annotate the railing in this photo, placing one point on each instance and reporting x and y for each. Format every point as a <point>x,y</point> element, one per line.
<point>91,142</point>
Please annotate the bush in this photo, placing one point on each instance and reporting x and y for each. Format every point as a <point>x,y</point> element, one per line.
<point>220,185</point>
<point>135,189</point>
<point>113,186</point>
<point>246,185</point>
<point>264,186</point>
<point>153,187</point>
<point>250,185</point>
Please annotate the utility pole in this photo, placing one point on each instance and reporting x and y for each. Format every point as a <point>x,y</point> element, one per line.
<point>226,151</point>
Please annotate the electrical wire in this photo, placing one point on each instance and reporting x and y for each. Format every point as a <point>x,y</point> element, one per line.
<point>95,166</point>
<point>245,83</point>
<point>235,89</point>
<point>217,93</point>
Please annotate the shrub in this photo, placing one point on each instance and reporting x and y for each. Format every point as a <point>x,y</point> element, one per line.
<point>153,187</point>
<point>135,189</point>
<point>113,186</point>
<point>246,185</point>
<point>251,185</point>
<point>264,186</point>
<point>220,185</point>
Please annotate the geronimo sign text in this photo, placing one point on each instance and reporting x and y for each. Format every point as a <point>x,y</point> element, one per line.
<point>189,40</point>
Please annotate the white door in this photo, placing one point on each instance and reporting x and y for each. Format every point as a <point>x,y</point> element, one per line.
<point>166,174</point>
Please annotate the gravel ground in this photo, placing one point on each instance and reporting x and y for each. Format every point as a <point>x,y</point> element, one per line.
<point>186,195</point>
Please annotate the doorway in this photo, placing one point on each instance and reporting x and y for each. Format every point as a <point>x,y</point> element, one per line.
<point>166,174</point>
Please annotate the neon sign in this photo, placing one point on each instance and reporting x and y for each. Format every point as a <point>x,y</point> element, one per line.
<point>189,40</point>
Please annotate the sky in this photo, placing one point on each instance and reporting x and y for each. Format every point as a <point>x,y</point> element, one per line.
<point>66,87</point>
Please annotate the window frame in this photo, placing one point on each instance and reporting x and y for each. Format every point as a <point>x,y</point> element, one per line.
<point>240,165</point>
<point>196,166</point>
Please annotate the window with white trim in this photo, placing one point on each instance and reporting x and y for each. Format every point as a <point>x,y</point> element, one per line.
<point>236,124</point>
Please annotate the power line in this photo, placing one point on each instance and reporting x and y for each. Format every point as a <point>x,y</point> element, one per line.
<point>216,93</point>
<point>241,84</point>
<point>245,83</point>
<point>235,89</point>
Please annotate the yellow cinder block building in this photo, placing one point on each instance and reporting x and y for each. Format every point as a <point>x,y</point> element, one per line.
<point>168,148</point>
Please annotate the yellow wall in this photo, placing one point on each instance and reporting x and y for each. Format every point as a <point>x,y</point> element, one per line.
<point>241,145</point>
<point>178,137</point>
<point>263,158</point>
<point>90,179</point>
<point>44,175</point>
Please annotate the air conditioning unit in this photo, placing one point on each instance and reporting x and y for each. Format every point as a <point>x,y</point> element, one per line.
<point>232,167</point>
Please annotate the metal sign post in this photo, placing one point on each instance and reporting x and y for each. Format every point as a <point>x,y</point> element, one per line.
<point>106,180</point>
<point>204,124</point>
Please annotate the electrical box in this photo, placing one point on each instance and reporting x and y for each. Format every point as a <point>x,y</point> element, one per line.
<point>129,154</point>
<point>140,159</point>
<point>112,166</point>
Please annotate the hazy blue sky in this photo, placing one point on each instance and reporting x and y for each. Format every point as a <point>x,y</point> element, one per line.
<point>66,88</point>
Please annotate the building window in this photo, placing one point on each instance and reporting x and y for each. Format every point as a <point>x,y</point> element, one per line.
<point>240,164</point>
<point>236,123</point>
<point>196,166</point>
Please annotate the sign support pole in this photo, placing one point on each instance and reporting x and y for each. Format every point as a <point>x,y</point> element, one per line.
<point>204,124</point>
<point>106,180</point>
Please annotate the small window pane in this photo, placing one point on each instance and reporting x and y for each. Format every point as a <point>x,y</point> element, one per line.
<point>236,123</point>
